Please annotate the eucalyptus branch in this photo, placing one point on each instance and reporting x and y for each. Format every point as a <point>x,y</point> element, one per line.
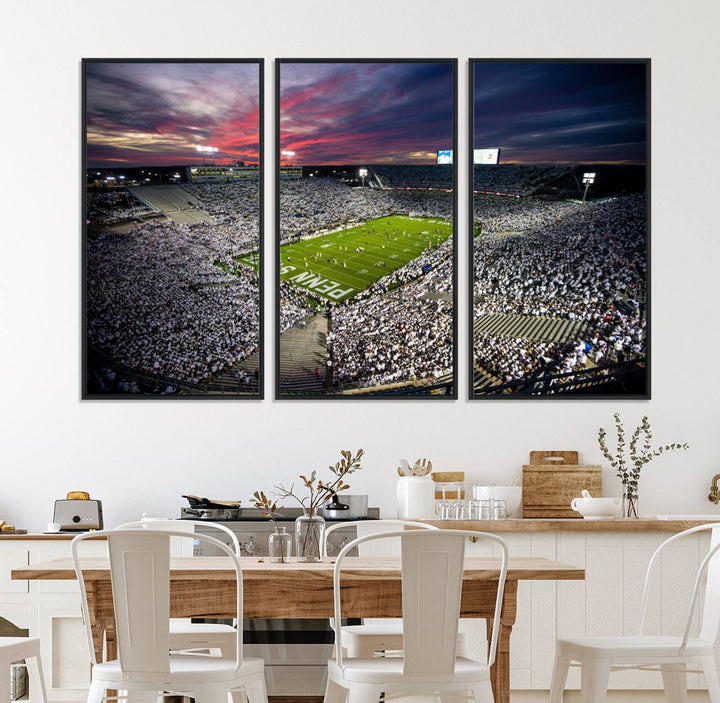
<point>629,472</point>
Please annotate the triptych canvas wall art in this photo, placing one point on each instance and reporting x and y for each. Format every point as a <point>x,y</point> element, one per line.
<point>172,202</point>
<point>366,240</point>
<point>559,212</point>
<point>366,237</point>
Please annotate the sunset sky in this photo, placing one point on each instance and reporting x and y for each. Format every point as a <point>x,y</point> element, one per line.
<point>153,114</point>
<point>547,112</point>
<point>355,113</point>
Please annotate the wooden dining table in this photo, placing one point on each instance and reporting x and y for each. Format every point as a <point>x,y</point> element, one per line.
<point>205,587</point>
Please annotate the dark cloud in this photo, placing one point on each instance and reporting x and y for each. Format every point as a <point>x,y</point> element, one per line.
<point>561,111</point>
<point>344,113</point>
<point>143,114</point>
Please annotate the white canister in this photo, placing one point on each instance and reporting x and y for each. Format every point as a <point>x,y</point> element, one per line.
<point>415,497</point>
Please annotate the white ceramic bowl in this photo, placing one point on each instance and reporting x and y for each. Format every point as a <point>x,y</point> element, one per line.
<point>595,508</point>
<point>512,495</point>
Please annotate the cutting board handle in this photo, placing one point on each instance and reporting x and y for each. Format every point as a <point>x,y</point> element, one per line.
<point>553,458</point>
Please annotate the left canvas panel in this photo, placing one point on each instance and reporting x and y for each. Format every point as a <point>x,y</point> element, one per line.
<point>172,228</point>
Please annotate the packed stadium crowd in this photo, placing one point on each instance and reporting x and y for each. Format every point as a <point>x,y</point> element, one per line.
<point>171,300</point>
<point>391,331</point>
<point>235,208</point>
<point>311,205</point>
<point>113,207</point>
<point>388,334</point>
<point>412,176</point>
<point>158,302</point>
<point>563,260</point>
<point>391,337</point>
<point>516,179</point>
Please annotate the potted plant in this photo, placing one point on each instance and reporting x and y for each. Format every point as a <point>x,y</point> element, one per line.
<point>310,526</point>
<point>628,470</point>
<point>279,542</point>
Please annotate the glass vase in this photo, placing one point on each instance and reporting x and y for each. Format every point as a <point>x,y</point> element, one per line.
<point>630,506</point>
<point>309,532</point>
<point>279,545</point>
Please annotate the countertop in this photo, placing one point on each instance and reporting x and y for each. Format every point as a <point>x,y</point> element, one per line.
<point>643,524</point>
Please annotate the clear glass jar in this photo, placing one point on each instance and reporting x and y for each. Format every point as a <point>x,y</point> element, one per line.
<point>279,545</point>
<point>309,534</point>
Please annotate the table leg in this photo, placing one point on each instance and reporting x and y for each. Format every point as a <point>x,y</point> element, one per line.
<point>500,670</point>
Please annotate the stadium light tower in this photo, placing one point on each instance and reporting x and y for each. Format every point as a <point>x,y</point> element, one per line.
<point>588,179</point>
<point>288,157</point>
<point>363,174</point>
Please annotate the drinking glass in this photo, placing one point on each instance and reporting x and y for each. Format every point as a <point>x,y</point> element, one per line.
<point>460,510</point>
<point>445,509</point>
<point>475,509</point>
<point>499,511</point>
<point>486,512</point>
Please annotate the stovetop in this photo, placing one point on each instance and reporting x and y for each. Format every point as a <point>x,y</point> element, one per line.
<point>286,515</point>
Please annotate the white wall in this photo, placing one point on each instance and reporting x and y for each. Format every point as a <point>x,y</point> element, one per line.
<point>142,455</point>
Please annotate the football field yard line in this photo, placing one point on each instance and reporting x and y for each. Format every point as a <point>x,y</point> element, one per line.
<point>369,252</point>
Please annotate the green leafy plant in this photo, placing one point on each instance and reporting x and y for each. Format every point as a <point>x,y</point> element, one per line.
<point>627,468</point>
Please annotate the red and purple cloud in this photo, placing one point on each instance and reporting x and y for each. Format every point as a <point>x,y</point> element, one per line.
<point>156,113</point>
<point>366,112</point>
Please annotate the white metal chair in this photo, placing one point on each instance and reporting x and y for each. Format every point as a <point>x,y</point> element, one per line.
<point>375,636</point>
<point>432,572</point>
<point>598,655</point>
<point>14,649</point>
<point>185,636</point>
<point>140,574</point>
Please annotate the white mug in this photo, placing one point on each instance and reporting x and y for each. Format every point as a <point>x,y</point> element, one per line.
<point>53,527</point>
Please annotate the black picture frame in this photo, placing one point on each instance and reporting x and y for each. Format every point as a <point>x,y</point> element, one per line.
<point>216,369</point>
<point>626,376</point>
<point>324,385</point>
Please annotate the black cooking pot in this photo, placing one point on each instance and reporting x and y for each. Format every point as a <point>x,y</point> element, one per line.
<point>211,513</point>
<point>206,509</point>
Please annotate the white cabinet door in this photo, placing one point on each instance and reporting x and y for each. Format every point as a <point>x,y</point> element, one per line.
<point>13,554</point>
<point>63,645</point>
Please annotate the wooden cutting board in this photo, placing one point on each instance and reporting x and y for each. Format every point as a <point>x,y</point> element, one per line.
<point>552,479</point>
<point>445,477</point>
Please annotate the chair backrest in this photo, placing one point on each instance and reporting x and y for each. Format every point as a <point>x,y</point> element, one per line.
<point>169,524</point>
<point>140,576</point>
<point>432,574</point>
<point>371,527</point>
<point>708,573</point>
<point>710,630</point>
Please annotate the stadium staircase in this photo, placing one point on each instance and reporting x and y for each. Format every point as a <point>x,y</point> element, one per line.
<point>482,378</point>
<point>536,327</point>
<point>302,350</point>
<point>227,382</point>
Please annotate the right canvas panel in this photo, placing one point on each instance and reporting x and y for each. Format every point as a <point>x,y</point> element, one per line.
<point>560,228</point>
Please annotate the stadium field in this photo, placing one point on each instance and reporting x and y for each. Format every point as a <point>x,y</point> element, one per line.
<point>340,264</point>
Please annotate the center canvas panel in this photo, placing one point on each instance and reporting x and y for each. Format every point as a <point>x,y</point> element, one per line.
<point>366,228</point>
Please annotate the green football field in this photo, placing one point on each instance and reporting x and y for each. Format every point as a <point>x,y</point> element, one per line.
<point>338,265</point>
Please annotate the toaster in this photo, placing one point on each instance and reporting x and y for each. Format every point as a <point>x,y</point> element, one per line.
<point>78,515</point>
